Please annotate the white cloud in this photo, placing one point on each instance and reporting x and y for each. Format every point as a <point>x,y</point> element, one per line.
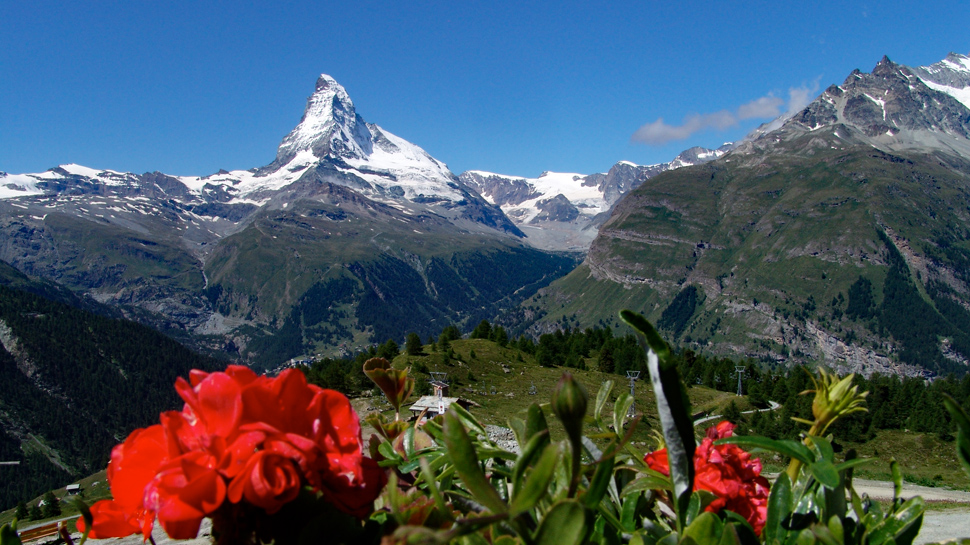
<point>763,107</point>
<point>658,132</point>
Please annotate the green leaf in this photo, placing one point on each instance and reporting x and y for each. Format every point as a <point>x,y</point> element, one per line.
<point>536,484</point>
<point>962,420</point>
<point>564,524</point>
<point>628,512</point>
<point>469,420</point>
<point>463,457</point>
<point>823,448</point>
<point>674,409</point>
<point>855,462</point>
<point>535,421</point>
<point>835,526</point>
<point>620,410</point>
<point>825,473</point>
<point>428,475</point>
<point>600,483</point>
<point>645,328</point>
<point>693,509</point>
<point>738,531</point>
<point>786,447</point>
<point>903,523</point>
<point>601,398</point>
<point>706,528</point>
<point>897,480</point>
<point>648,482</point>
<point>805,537</point>
<point>779,507</point>
<point>531,451</point>
<point>8,535</point>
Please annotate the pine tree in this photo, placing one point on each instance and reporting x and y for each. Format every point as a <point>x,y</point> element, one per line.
<point>482,331</point>
<point>35,512</point>
<point>22,513</point>
<point>52,507</point>
<point>413,344</point>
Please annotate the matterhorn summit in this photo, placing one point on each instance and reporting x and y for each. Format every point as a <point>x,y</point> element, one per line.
<point>330,124</point>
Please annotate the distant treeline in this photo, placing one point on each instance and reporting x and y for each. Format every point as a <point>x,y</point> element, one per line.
<point>893,402</point>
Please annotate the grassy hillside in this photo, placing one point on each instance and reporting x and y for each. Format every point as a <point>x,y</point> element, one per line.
<point>772,245</point>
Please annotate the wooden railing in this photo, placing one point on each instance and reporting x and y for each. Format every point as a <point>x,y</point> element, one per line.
<point>39,532</point>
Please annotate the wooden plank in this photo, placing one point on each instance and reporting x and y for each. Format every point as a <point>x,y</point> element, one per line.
<point>38,532</point>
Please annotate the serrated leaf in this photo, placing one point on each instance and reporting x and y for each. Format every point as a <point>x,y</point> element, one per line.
<point>461,451</point>
<point>564,524</point>
<point>628,512</point>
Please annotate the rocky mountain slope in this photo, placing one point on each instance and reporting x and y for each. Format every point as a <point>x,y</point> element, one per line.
<point>562,211</point>
<point>842,237</point>
<point>351,232</point>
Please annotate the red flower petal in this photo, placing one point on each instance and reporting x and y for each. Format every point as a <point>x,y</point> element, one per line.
<point>109,520</point>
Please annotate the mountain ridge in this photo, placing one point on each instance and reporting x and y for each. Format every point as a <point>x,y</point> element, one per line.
<point>759,253</point>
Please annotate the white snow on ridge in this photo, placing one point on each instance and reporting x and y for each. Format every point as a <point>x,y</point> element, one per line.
<point>963,95</point>
<point>245,182</point>
<point>18,185</point>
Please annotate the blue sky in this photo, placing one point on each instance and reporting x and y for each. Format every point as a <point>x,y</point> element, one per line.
<point>189,88</point>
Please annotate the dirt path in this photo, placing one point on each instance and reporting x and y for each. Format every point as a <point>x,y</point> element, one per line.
<point>937,525</point>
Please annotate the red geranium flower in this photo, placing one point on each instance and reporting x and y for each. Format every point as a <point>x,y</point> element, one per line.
<point>728,472</point>
<point>240,437</point>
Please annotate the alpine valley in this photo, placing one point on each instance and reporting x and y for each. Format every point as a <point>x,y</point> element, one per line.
<point>350,236</point>
<point>840,234</point>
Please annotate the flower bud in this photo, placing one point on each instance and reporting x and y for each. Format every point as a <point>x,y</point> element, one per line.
<point>569,403</point>
<point>395,383</point>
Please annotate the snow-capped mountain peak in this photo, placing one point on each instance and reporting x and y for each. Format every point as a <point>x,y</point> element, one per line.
<point>330,125</point>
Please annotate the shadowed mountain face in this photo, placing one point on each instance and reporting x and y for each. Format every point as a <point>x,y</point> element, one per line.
<point>348,218</point>
<point>841,237</point>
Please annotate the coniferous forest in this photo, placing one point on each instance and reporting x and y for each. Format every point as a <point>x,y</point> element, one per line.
<point>74,385</point>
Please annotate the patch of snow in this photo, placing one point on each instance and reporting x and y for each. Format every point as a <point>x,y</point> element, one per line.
<point>961,94</point>
<point>13,186</point>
